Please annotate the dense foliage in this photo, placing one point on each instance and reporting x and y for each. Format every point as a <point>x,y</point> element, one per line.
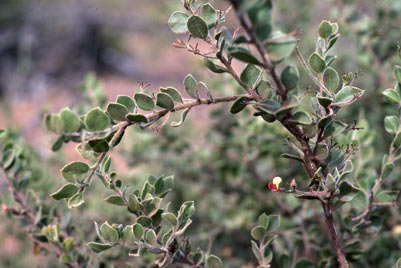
<point>289,172</point>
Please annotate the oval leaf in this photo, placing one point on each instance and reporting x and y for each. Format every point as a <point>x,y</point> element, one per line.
<point>197,27</point>
<point>66,191</point>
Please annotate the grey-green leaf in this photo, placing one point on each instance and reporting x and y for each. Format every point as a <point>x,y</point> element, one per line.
<point>191,86</point>
<point>197,27</point>
<point>97,120</point>
<point>317,63</point>
<point>144,101</point>
<point>347,95</point>
<point>282,47</point>
<point>98,247</point>
<point>115,200</point>
<point>249,75</point>
<point>325,29</point>
<point>391,124</point>
<point>178,22</point>
<point>109,233</point>
<point>74,170</point>
<point>392,95</point>
<point>136,118</point>
<point>117,111</point>
<point>173,92</point>
<point>242,54</point>
<point>75,201</point>
<point>70,120</point>
<point>183,117</point>
<point>66,191</point>
<point>209,14</point>
<point>170,218</point>
<point>239,105</point>
<point>164,100</point>
<point>99,145</point>
<point>290,77</point>
<point>127,102</point>
<point>331,79</point>
<point>214,262</point>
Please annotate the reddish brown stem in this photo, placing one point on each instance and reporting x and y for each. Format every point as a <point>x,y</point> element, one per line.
<point>334,237</point>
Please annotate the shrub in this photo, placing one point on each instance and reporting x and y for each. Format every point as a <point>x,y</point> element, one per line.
<point>331,148</point>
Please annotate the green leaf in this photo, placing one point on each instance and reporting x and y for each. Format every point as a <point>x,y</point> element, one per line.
<point>58,143</point>
<point>301,118</point>
<point>391,124</point>
<point>333,129</point>
<point>115,200</point>
<point>173,92</point>
<point>99,145</point>
<point>8,158</point>
<point>186,211</point>
<point>170,218</point>
<point>347,95</point>
<point>263,220</point>
<point>183,117</point>
<point>65,191</point>
<point>55,123</point>
<point>98,247</point>
<point>249,75</point>
<point>68,243</point>
<point>136,118</point>
<point>387,169</point>
<point>290,77</point>
<point>325,29</point>
<point>70,120</point>
<point>108,233</point>
<point>392,95</point>
<point>197,27</point>
<point>317,63</point>
<point>144,101</point>
<point>264,89</point>
<point>208,91</point>
<point>214,262</point>
<point>74,170</point>
<point>138,231</point>
<point>164,100</point>
<point>397,73</point>
<point>260,14</point>
<point>127,102</point>
<point>242,54</point>
<point>347,191</point>
<point>150,237</point>
<point>387,196</point>
<point>133,203</point>
<point>191,86</point>
<point>209,14</point>
<point>258,232</point>
<point>117,111</point>
<point>76,200</point>
<point>96,120</point>
<point>239,105</point>
<point>128,235</point>
<point>213,67</point>
<point>144,221</point>
<point>164,185</point>
<point>282,47</point>
<point>397,140</point>
<point>330,183</point>
<point>304,263</point>
<point>274,223</point>
<point>147,189</point>
<point>322,152</point>
<point>324,101</point>
<point>331,79</point>
<point>178,22</point>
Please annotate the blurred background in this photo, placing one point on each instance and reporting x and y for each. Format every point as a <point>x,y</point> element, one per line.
<point>49,47</point>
